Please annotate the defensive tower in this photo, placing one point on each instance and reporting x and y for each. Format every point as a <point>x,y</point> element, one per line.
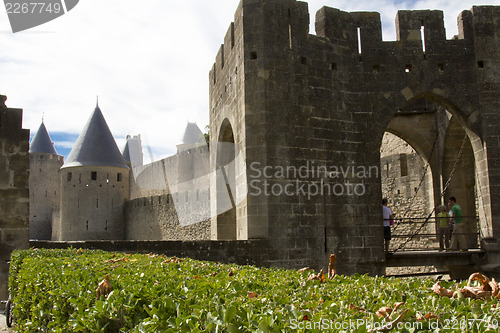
<point>44,182</point>
<point>95,185</point>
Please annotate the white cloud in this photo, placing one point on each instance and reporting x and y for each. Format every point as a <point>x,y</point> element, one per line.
<point>147,60</point>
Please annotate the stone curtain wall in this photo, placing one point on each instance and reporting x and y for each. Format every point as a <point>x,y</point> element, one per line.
<point>14,194</point>
<point>155,218</point>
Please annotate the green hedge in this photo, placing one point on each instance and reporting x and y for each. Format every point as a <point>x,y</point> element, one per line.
<point>55,291</point>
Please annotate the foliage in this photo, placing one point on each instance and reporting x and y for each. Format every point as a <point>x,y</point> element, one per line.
<point>55,291</point>
<point>206,135</point>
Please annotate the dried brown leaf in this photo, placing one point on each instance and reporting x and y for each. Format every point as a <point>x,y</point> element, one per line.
<point>104,287</point>
<point>331,266</point>
<point>116,260</point>
<point>495,289</point>
<point>384,311</point>
<point>391,325</point>
<point>251,294</point>
<point>442,291</point>
<point>357,308</point>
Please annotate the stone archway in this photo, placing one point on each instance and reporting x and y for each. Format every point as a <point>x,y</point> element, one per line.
<point>436,128</point>
<point>224,226</point>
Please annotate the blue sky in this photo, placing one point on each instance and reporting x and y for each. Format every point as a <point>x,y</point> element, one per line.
<point>147,60</point>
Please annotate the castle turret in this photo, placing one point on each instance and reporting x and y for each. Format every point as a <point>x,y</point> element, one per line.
<point>95,185</point>
<point>132,153</point>
<point>192,138</point>
<point>44,184</point>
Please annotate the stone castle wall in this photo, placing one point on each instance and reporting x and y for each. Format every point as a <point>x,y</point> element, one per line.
<point>292,98</point>
<point>14,194</point>
<point>155,218</point>
<point>170,198</point>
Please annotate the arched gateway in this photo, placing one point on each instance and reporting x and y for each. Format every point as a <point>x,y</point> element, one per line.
<point>302,106</point>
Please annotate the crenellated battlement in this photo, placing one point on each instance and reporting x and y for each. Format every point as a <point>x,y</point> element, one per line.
<point>265,26</point>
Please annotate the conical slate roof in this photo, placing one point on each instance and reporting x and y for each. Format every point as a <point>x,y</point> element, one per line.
<point>192,135</point>
<point>95,146</point>
<point>41,142</point>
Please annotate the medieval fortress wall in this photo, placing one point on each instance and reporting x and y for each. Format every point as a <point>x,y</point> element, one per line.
<point>14,194</point>
<point>329,98</point>
<point>281,98</point>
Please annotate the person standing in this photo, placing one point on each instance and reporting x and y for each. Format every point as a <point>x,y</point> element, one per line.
<point>458,239</point>
<point>387,215</point>
<point>443,231</point>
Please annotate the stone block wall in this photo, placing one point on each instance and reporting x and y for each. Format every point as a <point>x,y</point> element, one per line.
<point>14,194</point>
<point>155,218</point>
<point>296,99</point>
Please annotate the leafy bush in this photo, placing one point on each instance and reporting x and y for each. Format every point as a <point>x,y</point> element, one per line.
<point>55,291</point>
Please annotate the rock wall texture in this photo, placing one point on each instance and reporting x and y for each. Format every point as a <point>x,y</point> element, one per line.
<point>14,194</point>
<point>289,99</point>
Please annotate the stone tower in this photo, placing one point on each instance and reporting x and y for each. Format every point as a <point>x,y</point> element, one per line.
<point>132,153</point>
<point>44,181</point>
<point>94,184</point>
<point>300,105</point>
<point>14,194</point>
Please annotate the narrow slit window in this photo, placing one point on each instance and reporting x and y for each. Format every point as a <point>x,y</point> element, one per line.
<point>359,40</point>
<point>93,175</point>
<point>422,36</point>
<point>97,203</point>
<point>290,35</point>
<point>253,55</point>
<point>68,176</point>
<point>403,160</point>
<point>333,66</point>
<point>87,227</point>
<point>118,177</point>
<point>303,60</point>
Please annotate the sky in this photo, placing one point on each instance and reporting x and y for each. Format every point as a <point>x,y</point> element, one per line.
<point>148,61</point>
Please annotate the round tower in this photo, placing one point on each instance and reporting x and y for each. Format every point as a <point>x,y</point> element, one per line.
<point>44,181</point>
<point>94,184</point>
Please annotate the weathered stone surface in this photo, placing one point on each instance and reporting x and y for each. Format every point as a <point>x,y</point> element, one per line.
<point>293,99</point>
<point>14,194</point>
